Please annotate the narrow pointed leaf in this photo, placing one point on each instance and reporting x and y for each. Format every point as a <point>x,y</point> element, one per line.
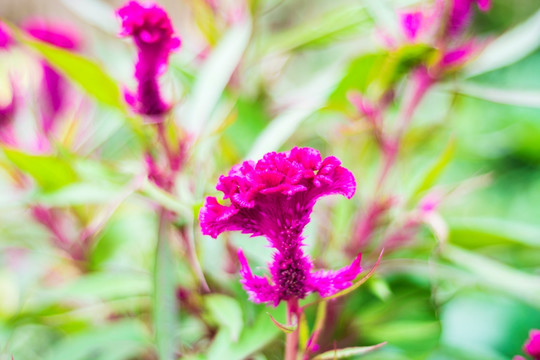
<point>435,171</point>
<point>84,72</point>
<point>287,329</point>
<point>357,284</point>
<point>49,172</point>
<point>348,352</point>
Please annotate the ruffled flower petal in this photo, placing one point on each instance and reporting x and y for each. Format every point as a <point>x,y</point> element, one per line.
<point>257,287</point>
<point>327,283</point>
<point>278,192</point>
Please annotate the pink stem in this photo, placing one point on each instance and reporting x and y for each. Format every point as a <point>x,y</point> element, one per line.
<point>421,83</point>
<point>291,342</point>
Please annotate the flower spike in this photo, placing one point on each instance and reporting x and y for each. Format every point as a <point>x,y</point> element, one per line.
<point>153,34</point>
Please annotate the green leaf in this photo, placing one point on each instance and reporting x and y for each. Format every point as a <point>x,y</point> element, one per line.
<point>79,194</point>
<point>315,93</point>
<point>303,330</point>
<point>336,24</point>
<point>358,76</point>
<point>84,72</point>
<point>287,329</point>
<point>253,338</point>
<point>165,308</point>
<point>347,352</point>
<point>214,76</point>
<point>516,97</point>
<point>98,342</point>
<point>508,48</point>
<point>251,119</point>
<point>433,173</point>
<point>102,286</point>
<point>399,63</point>
<point>50,172</point>
<point>166,200</point>
<point>227,313</point>
<point>497,275</point>
<point>478,232</point>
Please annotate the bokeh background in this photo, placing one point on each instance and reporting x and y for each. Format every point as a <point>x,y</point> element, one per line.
<point>473,295</point>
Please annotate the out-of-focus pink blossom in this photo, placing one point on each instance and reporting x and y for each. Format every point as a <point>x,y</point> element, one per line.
<point>7,115</point>
<point>5,36</point>
<point>443,26</point>
<point>411,23</point>
<point>274,198</point>
<point>532,346</point>
<point>54,87</point>
<point>458,55</point>
<point>55,33</point>
<point>460,14</point>
<point>153,34</point>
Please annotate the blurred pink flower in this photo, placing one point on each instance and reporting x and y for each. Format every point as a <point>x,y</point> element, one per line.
<point>7,114</point>
<point>151,30</point>
<point>5,36</point>
<point>448,20</point>
<point>460,14</point>
<point>54,86</point>
<point>411,23</point>
<point>274,198</point>
<point>532,346</point>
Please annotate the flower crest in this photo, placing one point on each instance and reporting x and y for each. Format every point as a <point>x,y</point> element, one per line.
<point>280,188</point>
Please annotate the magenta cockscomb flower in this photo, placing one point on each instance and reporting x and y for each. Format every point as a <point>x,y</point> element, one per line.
<point>153,34</point>
<point>54,87</point>
<point>274,198</point>
<point>532,346</point>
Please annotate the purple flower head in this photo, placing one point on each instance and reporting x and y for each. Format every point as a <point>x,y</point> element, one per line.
<point>152,32</point>
<point>274,198</point>
<point>5,37</point>
<point>532,346</point>
<point>54,87</point>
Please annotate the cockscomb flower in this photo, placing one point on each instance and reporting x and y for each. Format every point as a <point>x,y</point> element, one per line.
<point>274,198</point>
<point>153,34</point>
<point>54,87</point>
<point>532,346</point>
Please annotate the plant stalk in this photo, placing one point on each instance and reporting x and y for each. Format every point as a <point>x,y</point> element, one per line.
<point>291,341</point>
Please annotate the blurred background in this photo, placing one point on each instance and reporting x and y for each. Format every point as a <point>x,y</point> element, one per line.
<point>465,286</point>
